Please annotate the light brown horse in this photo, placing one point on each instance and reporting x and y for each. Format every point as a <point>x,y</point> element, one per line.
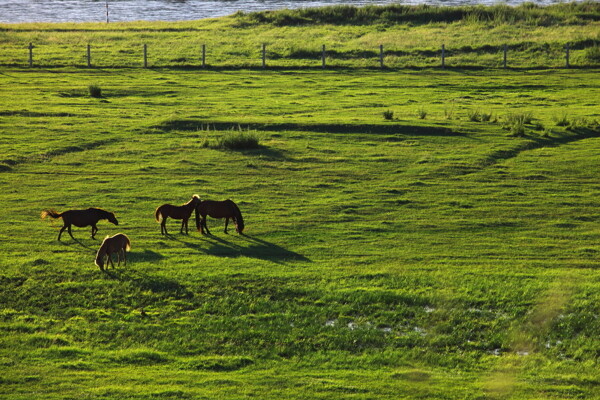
<point>81,218</point>
<point>176,212</point>
<point>219,209</point>
<point>119,244</point>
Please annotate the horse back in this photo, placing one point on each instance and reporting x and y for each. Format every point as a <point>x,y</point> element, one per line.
<point>79,218</point>
<point>113,244</point>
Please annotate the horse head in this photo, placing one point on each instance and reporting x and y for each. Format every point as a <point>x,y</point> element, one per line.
<point>111,218</point>
<point>100,261</point>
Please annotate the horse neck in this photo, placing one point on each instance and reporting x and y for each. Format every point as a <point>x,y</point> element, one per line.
<point>190,205</point>
<point>101,252</point>
<point>101,214</point>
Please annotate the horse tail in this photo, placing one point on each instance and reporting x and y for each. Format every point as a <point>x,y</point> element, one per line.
<point>50,213</point>
<point>239,220</point>
<point>127,243</point>
<point>196,210</point>
<point>158,214</point>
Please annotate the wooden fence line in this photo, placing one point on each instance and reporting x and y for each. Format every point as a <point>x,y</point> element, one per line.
<point>443,55</point>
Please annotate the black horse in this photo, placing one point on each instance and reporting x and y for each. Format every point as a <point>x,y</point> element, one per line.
<point>81,218</point>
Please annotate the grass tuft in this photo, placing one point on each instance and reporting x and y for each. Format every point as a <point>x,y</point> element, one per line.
<point>563,120</point>
<point>95,91</point>
<point>238,140</point>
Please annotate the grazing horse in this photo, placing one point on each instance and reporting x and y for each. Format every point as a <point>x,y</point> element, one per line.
<point>219,209</point>
<point>176,212</point>
<point>81,218</point>
<point>119,244</point>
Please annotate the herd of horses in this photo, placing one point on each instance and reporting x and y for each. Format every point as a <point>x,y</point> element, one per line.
<point>119,244</point>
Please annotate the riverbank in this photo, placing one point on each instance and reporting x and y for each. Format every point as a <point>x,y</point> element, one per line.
<point>343,37</point>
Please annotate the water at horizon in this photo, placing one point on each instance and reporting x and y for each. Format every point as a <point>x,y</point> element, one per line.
<point>14,11</point>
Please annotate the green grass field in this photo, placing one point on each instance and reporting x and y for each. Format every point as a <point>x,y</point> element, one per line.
<point>447,251</point>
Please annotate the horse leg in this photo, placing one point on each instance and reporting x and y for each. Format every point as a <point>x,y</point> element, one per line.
<point>226,222</point>
<point>163,226</point>
<point>110,260</point>
<point>203,223</point>
<point>62,230</point>
<point>94,230</point>
<point>182,224</point>
<point>70,233</point>
<point>124,256</point>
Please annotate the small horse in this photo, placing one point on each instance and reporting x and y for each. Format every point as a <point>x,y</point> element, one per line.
<point>81,218</point>
<point>119,244</point>
<point>176,212</point>
<point>219,209</point>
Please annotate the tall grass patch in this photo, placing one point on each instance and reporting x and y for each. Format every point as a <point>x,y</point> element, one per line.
<point>237,140</point>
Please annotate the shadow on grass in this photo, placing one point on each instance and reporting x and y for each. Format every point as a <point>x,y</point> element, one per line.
<point>535,142</point>
<point>257,248</point>
<point>146,255</point>
<point>159,285</point>
<point>81,244</point>
<point>411,130</point>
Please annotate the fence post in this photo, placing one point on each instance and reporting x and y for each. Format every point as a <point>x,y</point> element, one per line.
<point>145,56</point>
<point>381,56</point>
<point>443,56</point>
<point>567,55</point>
<point>31,54</point>
<point>203,56</point>
<point>323,57</point>
<point>264,56</point>
<point>89,56</point>
<point>107,11</point>
<point>505,50</point>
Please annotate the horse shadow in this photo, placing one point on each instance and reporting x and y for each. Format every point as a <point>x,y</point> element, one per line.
<point>85,246</point>
<point>257,248</point>
<point>156,284</point>
<point>146,255</point>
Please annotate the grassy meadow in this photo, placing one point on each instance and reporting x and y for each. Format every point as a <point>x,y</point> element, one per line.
<point>415,233</point>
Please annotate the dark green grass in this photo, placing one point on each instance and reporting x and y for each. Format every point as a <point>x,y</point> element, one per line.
<point>404,258</point>
<point>529,13</point>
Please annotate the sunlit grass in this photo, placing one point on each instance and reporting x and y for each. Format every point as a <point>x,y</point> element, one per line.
<point>437,257</point>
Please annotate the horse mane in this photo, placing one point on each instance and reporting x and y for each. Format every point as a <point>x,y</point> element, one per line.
<point>195,198</point>
<point>100,211</point>
<point>101,252</point>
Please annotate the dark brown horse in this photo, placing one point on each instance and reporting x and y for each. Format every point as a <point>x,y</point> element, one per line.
<point>176,212</point>
<point>219,209</point>
<point>81,218</point>
<point>119,244</point>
